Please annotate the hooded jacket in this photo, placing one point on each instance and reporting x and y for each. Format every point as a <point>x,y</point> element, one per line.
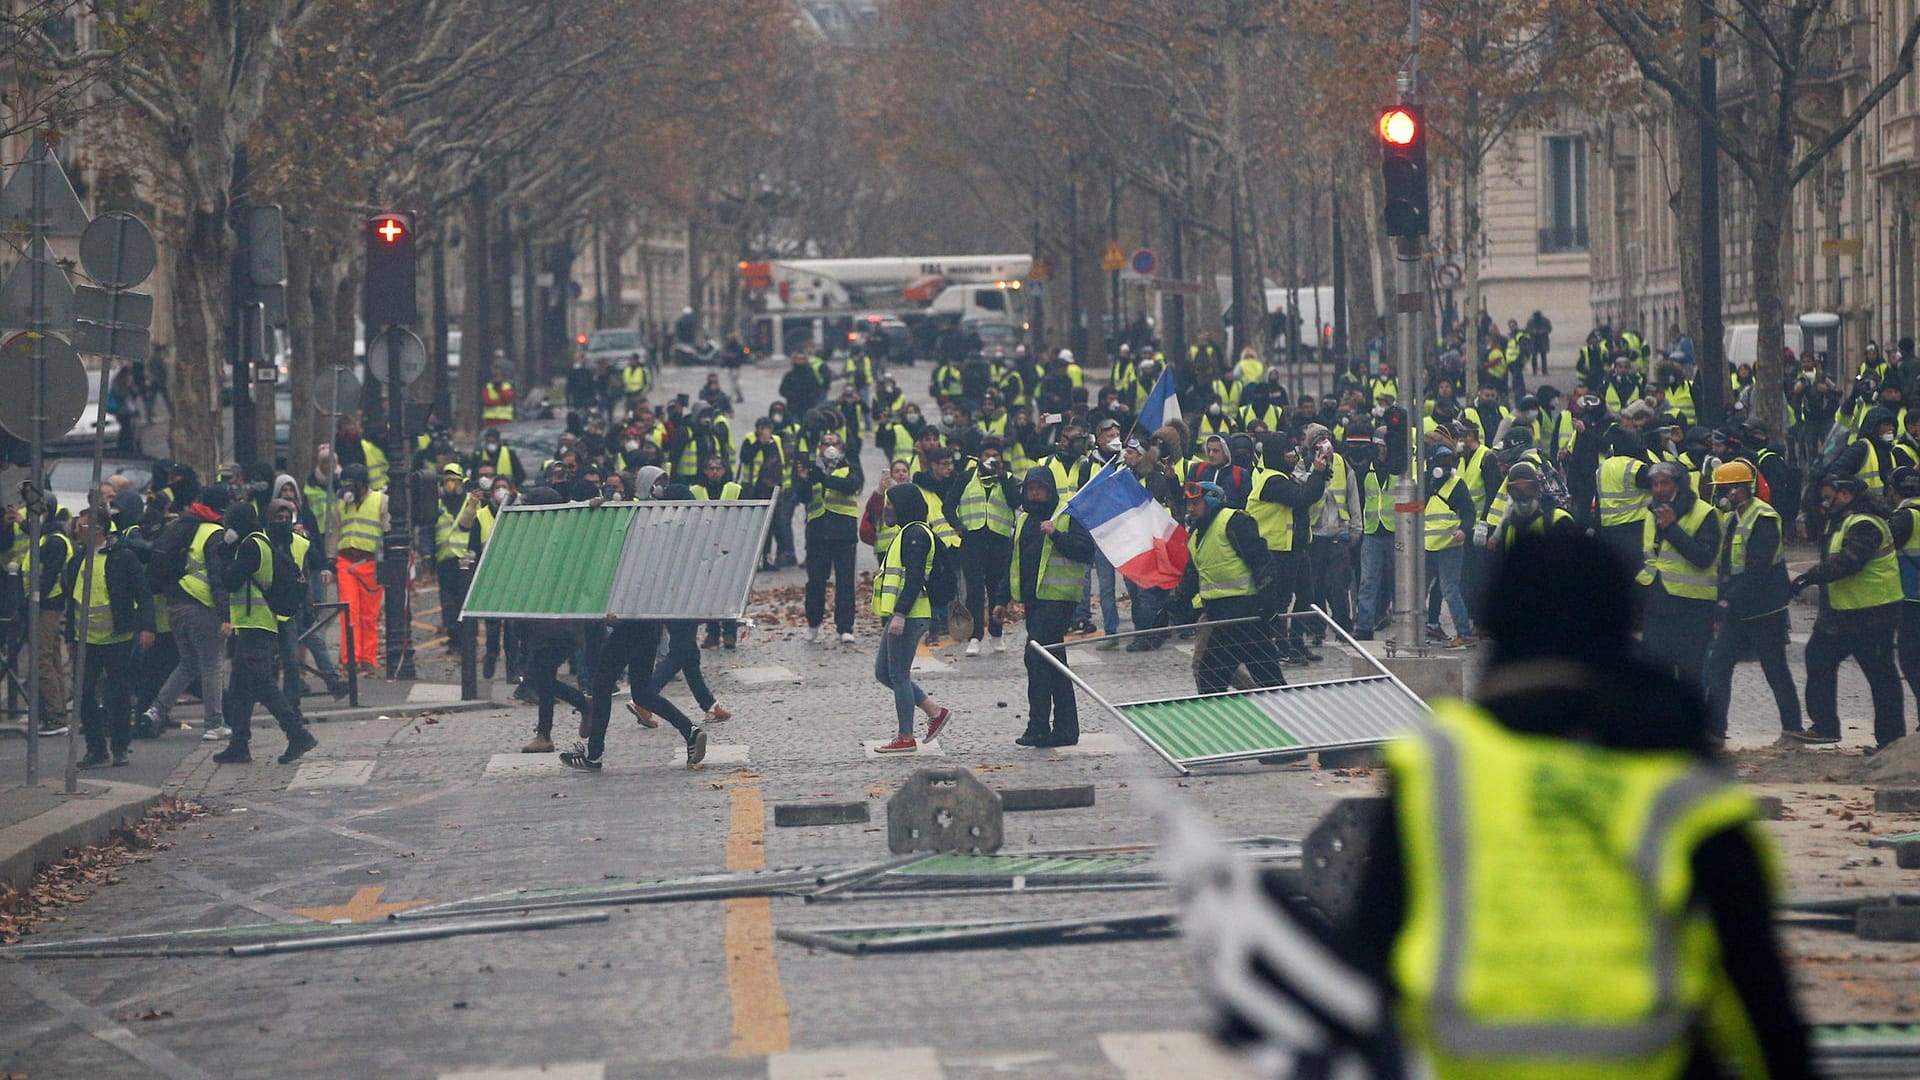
<point>643,480</point>
<point>1074,542</point>
<point>909,506</point>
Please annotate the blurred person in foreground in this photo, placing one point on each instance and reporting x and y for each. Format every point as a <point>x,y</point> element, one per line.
<point>1563,883</point>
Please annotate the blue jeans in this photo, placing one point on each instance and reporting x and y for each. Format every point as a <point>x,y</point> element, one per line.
<point>1146,604</point>
<point>1109,601</point>
<point>1444,567</point>
<point>1376,580</point>
<point>893,667</point>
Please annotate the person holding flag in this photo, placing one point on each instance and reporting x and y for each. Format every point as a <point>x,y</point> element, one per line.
<point>1051,551</point>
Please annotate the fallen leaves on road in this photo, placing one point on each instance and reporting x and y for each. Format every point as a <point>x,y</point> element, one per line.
<point>75,877</point>
<point>156,1014</point>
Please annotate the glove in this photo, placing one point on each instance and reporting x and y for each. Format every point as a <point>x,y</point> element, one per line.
<point>1480,533</point>
<point>1801,583</point>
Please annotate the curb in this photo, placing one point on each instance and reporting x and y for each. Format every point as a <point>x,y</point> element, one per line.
<point>78,821</point>
<point>403,712</point>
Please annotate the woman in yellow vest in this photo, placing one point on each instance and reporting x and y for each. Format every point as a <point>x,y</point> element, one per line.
<point>1564,884</point>
<point>1860,599</point>
<point>900,600</point>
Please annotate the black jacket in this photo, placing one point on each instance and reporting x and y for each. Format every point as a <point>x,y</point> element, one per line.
<point>1243,535</point>
<point>831,527</point>
<point>1074,543</point>
<point>127,588</point>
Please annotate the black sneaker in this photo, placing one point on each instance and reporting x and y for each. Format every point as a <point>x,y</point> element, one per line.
<point>1030,739</point>
<point>1812,738</point>
<point>234,754</point>
<point>92,761</point>
<point>577,758</point>
<point>122,758</point>
<point>337,686</point>
<point>697,747</point>
<point>143,729</point>
<point>298,745</point>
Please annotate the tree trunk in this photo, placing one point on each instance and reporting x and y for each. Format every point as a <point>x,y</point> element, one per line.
<point>614,285</point>
<point>1772,199</point>
<point>201,267</point>
<point>305,361</point>
<point>1470,245</point>
<point>476,336</point>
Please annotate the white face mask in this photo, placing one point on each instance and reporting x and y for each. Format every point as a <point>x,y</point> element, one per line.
<point>632,445</point>
<point>1113,445</point>
<point>500,496</point>
<point>232,537</point>
<point>1439,472</point>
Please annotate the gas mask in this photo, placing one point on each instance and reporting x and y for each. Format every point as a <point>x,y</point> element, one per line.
<point>1725,503</point>
<point>832,455</point>
<point>1526,508</point>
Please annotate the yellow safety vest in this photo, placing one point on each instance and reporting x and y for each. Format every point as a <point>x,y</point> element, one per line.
<point>297,547</point>
<point>1376,504</point>
<point>58,590</point>
<point>1336,490</point>
<point>450,541</point>
<point>1622,501</point>
<point>1537,527</point>
<point>729,491</point>
<point>1739,527</point>
<point>1066,478</point>
<point>97,618</point>
<point>360,524</point>
<point>1548,931</point>
<point>1441,521</point>
<point>501,412</point>
<point>1060,578</point>
<point>376,465</point>
<point>1223,573</point>
<point>984,506</point>
<point>321,501</point>
<point>824,500</point>
<point>1876,583</point>
<point>195,582</point>
<point>635,379</point>
<point>943,529</point>
<point>247,609</point>
<point>1472,473</point>
<point>893,578</point>
<point>1276,521</point>
<point>1870,471</point>
<point>1676,575</point>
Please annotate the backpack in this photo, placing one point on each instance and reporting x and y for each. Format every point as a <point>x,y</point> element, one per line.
<point>168,562</point>
<point>288,590</point>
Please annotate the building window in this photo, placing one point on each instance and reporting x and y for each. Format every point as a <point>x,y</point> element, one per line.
<point>1563,218</point>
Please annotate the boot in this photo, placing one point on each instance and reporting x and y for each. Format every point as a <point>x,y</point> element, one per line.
<point>299,741</point>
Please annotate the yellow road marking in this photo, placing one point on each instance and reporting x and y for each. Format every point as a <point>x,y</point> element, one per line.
<point>753,975</point>
<point>364,907</point>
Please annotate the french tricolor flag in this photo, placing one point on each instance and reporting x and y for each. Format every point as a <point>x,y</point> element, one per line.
<point>1136,534</point>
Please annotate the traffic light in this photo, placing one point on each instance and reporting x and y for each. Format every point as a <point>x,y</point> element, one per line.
<point>1403,164</point>
<point>390,272</point>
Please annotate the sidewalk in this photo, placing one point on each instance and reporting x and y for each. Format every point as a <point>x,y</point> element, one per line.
<point>40,823</point>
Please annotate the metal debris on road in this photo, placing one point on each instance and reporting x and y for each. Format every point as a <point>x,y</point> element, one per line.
<point>918,937</point>
<point>416,933</point>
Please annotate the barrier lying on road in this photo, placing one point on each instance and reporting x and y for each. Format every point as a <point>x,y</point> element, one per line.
<point>1153,692</point>
<point>645,560</point>
<point>921,937</point>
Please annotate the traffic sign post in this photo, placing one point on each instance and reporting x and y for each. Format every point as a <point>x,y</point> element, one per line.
<point>1113,261</point>
<point>1144,262</point>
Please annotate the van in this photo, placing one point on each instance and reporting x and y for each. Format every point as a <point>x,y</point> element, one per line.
<point>1743,338</point>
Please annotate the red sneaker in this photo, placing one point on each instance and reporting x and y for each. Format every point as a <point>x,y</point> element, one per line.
<point>904,744</point>
<point>939,723</point>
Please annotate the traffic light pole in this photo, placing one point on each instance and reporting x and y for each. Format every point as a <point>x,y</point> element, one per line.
<point>1410,305</point>
<point>397,545</point>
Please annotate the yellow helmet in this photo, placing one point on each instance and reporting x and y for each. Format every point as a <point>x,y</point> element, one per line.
<point>1733,472</point>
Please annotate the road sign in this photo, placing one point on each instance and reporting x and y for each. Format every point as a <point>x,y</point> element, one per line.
<point>1175,286</point>
<point>1144,262</point>
<point>338,393</point>
<point>1846,245</point>
<point>1449,276</point>
<point>1114,259</point>
<point>17,310</point>
<point>266,246</point>
<point>413,356</point>
<point>60,212</point>
<point>112,322</point>
<point>117,250</point>
<point>66,385</point>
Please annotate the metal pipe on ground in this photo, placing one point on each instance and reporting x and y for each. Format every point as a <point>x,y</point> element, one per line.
<point>417,933</point>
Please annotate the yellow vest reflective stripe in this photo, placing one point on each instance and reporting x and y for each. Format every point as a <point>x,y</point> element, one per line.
<point>1622,502</point>
<point>1223,573</point>
<point>1275,520</point>
<point>1675,574</point>
<point>729,491</point>
<point>98,616</point>
<point>893,578</point>
<point>1066,478</point>
<point>1059,578</point>
<point>503,411</point>
<point>1537,527</point>
<point>58,590</point>
<point>360,524</point>
<point>1740,534</point>
<point>1471,474</point>
<point>1376,505</point>
<point>194,582</point>
<point>943,529</point>
<point>1870,470</point>
<point>1548,930</point>
<point>635,379</point>
<point>449,541</point>
<point>883,536</point>
<point>248,608</point>
<point>824,500</point>
<point>985,507</point>
<point>1336,491</point>
<point>1876,583</point>
<point>1441,521</point>
<point>321,502</point>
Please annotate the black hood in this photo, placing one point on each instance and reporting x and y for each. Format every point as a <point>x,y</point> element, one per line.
<point>242,518</point>
<point>1042,475</point>
<point>909,503</point>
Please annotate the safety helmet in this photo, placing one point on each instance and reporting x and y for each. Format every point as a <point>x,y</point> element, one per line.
<point>1737,472</point>
<point>453,469</point>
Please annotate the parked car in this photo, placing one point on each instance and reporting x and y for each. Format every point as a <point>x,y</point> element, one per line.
<point>68,478</point>
<point>81,436</point>
<point>615,345</point>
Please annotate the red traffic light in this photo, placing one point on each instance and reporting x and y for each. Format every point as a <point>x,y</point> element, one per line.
<point>391,229</point>
<point>1398,127</point>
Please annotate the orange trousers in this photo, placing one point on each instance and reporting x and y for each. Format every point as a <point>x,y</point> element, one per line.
<point>364,598</point>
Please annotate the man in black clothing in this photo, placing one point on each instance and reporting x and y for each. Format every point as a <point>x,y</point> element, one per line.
<point>804,385</point>
<point>117,612</point>
<point>1049,592</point>
<point>246,574</point>
<point>1561,614</point>
<point>1679,622</point>
<point>1856,545</point>
<point>629,647</point>
<point>1754,595</point>
<point>1290,496</point>
<point>829,485</point>
<point>1229,646</point>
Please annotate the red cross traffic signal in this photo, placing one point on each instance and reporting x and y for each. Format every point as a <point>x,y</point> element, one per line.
<point>1403,165</point>
<point>390,284</point>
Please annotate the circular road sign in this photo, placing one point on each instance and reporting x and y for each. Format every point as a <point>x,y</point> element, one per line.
<point>1144,262</point>
<point>1449,275</point>
<point>336,395</point>
<point>66,384</point>
<point>117,250</point>
<point>413,355</point>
